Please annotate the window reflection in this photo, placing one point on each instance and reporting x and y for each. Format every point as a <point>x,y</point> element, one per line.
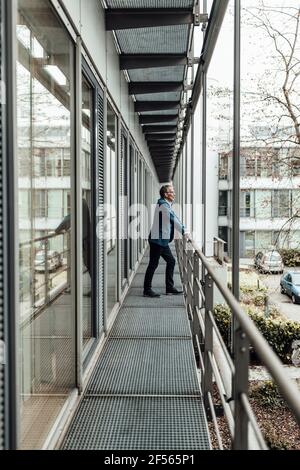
<point>270,120</point>
<point>44,86</point>
<point>220,123</point>
<point>111,221</point>
<point>86,182</point>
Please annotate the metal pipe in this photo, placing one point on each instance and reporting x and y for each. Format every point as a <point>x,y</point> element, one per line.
<point>235,245</point>
<point>257,432</point>
<point>214,418</point>
<point>222,393</point>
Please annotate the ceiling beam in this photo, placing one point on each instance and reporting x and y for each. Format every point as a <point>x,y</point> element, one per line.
<point>168,156</point>
<point>161,149</point>
<point>141,88</point>
<point>127,18</point>
<point>154,144</point>
<point>144,61</point>
<point>141,106</point>
<point>157,118</point>
<point>158,137</point>
<point>147,129</point>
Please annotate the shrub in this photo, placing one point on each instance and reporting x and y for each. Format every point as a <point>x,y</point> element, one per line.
<point>290,257</point>
<point>279,333</point>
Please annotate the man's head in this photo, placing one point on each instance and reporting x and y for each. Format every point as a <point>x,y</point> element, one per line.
<point>167,192</point>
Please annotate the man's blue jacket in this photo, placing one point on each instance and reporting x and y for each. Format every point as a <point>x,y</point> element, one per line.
<point>165,221</point>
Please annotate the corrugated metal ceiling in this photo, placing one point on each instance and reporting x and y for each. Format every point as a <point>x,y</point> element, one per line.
<point>144,41</point>
<point>160,74</point>
<point>157,40</point>
<point>149,3</point>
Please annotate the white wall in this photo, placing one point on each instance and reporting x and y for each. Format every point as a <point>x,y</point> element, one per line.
<point>88,19</point>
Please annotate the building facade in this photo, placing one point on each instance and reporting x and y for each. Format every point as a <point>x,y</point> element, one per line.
<point>269,199</point>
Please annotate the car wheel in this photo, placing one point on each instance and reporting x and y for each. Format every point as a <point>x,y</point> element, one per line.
<point>294,299</point>
<point>282,290</point>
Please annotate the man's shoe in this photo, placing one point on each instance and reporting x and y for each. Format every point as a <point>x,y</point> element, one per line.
<point>151,293</point>
<point>174,291</point>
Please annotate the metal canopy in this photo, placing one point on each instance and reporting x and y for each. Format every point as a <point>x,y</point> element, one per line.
<point>155,105</point>
<point>144,17</point>
<point>164,128</point>
<point>144,61</point>
<point>157,118</point>
<point>153,38</point>
<point>140,88</point>
<point>170,136</point>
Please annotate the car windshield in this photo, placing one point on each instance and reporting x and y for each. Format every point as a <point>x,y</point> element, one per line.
<point>40,257</point>
<point>296,279</point>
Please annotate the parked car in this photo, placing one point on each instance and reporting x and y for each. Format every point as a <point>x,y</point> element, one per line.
<point>290,285</point>
<point>54,260</point>
<point>269,262</point>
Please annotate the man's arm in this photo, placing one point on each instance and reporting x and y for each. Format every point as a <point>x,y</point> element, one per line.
<point>177,224</point>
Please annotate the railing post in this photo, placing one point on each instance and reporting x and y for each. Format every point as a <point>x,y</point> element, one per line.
<point>195,297</point>
<point>184,266</point>
<point>190,252</point>
<point>208,340</point>
<point>240,386</point>
<point>46,273</point>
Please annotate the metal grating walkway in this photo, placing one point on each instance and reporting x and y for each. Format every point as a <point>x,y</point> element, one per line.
<point>144,392</point>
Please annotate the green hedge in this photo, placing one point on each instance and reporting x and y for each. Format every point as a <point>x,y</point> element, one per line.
<point>290,257</point>
<point>279,333</point>
<point>253,295</point>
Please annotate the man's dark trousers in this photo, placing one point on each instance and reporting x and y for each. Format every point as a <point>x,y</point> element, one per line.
<point>157,251</point>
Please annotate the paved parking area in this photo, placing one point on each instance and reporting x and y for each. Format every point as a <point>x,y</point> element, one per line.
<point>281,301</point>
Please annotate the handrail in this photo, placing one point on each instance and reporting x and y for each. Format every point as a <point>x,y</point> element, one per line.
<point>41,239</point>
<point>289,391</point>
<point>199,294</point>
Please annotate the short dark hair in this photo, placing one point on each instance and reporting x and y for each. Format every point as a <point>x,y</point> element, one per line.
<point>164,189</point>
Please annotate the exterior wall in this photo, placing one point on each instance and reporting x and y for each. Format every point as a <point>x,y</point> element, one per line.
<point>88,19</point>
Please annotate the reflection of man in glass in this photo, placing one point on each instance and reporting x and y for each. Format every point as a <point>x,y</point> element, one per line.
<point>65,225</point>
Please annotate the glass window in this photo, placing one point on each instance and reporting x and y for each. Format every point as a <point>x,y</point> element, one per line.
<point>249,244</point>
<point>263,204</point>
<point>269,107</point>
<point>45,83</point>
<point>87,211</point>
<point>223,203</point>
<point>111,220</point>
<point>263,240</point>
<point>220,118</point>
<point>281,203</point>
<point>245,204</point>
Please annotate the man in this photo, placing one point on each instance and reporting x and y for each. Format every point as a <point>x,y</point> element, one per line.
<point>162,233</point>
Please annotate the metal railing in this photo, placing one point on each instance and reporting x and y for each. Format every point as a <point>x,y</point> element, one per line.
<point>219,245</point>
<point>230,376</point>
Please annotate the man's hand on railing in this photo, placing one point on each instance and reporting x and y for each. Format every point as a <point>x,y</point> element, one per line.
<point>187,236</point>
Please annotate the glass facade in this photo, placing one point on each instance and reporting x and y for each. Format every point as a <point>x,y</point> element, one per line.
<point>219,126</point>
<point>45,83</point>
<point>87,178</point>
<point>111,200</point>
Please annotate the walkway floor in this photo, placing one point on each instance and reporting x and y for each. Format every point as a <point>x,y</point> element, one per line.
<point>144,391</point>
